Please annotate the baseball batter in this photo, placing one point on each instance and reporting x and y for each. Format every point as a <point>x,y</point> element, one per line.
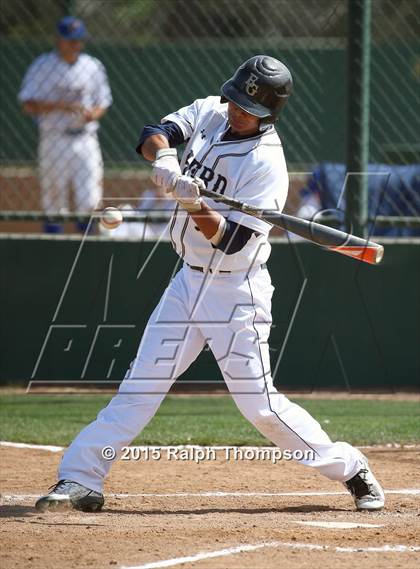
<point>68,92</point>
<point>222,295</point>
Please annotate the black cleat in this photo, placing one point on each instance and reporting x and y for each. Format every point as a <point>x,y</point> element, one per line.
<point>366,490</point>
<point>67,494</point>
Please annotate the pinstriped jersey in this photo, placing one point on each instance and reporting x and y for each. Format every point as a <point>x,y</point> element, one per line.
<point>252,170</point>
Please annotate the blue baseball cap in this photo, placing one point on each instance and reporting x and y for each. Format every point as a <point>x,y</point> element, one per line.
<point>71,28</point>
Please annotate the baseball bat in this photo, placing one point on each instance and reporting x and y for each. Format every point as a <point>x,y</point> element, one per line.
<point>332,239</point>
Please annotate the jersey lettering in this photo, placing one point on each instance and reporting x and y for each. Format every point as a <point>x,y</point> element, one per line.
<point>195,168</point>
<point>220,184</point>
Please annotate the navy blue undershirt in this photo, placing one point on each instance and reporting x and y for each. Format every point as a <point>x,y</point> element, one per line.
<point>236,236</point>
<point>168,129</point>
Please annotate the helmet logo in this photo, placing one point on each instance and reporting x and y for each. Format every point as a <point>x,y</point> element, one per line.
<point>251,86</point>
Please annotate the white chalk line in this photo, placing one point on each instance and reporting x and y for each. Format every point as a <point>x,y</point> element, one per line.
<point>336,525</point>
<point>273,544</point>
<point>53,448</point>
<point>201,556</point>
<point>401,492</point>
<point>380,549</point>
<point>50,448</point>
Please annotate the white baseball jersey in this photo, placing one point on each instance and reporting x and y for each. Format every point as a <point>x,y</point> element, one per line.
<point>252,170</point>
<point>50,78</point>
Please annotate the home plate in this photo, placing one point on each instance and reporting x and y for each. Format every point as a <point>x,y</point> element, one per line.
<point>339,525</point>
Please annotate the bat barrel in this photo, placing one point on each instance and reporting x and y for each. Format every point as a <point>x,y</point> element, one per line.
<point>332,239</point>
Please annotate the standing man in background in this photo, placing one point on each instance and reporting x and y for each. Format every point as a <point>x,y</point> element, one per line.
<point>68,92</point>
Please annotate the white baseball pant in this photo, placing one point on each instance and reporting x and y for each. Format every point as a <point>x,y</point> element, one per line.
<point>231,313</point>
<point>66,160</point>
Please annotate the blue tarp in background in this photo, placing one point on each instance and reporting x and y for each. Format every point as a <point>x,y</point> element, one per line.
<point>393,191</point>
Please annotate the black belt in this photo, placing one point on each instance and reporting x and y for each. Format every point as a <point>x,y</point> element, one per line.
<point>203,270</point>
<point>75,131</point>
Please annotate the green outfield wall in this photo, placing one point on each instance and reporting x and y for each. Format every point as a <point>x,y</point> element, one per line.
<point>74,310</point>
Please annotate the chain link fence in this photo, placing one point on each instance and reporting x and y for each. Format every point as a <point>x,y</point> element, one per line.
<point>160,55</point>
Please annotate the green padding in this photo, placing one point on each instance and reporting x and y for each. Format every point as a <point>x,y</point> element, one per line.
<point>337,323</point>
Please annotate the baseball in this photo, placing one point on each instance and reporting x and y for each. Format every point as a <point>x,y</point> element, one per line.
<point>111,218</point>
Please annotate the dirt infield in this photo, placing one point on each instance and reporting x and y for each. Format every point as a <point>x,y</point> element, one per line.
<point>248,530</point>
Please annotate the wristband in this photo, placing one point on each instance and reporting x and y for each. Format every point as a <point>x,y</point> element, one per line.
<point>191,207</point>
<point>166,152</point>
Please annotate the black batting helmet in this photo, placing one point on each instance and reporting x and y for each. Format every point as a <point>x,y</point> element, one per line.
<point>260,86</point>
